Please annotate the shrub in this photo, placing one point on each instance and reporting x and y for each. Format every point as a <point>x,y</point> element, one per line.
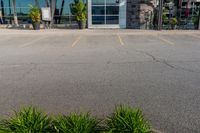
<point>34,14</point>
<point>127,120</point>
<point>74,123</point>
<point>195,19</point>
<point>79,10</point>
<point>173,21</point>
<point>28,120</point>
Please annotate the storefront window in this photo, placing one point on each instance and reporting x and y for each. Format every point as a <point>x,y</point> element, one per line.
<point>62,12</point>
<point>105,12</point>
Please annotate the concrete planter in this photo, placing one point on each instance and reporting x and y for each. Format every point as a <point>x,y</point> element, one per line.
<point>82,24</point>
<point>36,25</point>
<point>173,27</point>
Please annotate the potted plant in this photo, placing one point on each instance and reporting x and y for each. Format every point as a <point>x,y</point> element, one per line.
<point>35,15</point>
<point>173,23</point>
<point>79,10</point>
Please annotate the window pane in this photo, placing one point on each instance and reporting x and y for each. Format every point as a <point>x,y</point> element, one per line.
<point>98,19</point>
<point>98,10</point>
<point>98,2</point>
<point>24,3</point>
<point>112,19</point>
<point>112,2</point>
<point>112,10</point>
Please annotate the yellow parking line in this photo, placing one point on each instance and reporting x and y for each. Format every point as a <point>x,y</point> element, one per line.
<point>120,40</point>
<point>31,42</point>
<point>165,40</point>
<point>76,41</point>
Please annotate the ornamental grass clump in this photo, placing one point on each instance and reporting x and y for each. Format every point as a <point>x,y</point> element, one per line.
<point>127,120</point>
<point>28,120</point>
<point>74,123</point>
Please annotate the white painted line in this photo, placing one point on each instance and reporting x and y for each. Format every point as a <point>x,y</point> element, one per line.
<point>31,42</point>
<point>76,41</point>
<point>120,40</point>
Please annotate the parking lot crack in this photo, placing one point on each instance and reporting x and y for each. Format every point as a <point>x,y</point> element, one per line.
<point>161,61</point>
<point>170,65</point>
<point>150,55</point>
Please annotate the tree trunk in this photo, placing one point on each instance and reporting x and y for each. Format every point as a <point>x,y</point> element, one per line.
<point>160,13</point>
<point>46,3</point>
<point>199,20</point>
<point>37,3</point>
<point>9,3</point>
<point>15,13</point>
<point>2,11</point>
<point>61,11</point>
<point>53,7</point>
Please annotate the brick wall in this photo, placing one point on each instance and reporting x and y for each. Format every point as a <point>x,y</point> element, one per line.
<point>133,20</point>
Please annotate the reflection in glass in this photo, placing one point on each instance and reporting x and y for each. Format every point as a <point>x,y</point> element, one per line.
<point>105,12</point>
<point>22,8</point>
<point>112,2</point>
<point>98,19</point>
<point>98,2</point>
<point>98,10</point>
<point>112,10</point>
<point>112,19</point>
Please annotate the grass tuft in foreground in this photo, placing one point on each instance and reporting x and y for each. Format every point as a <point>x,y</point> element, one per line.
<point>28,120</point>
<point>127,120</point>
<point>82,123</point>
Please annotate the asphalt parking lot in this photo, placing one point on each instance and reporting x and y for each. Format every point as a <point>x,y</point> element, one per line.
<point>93,70</point>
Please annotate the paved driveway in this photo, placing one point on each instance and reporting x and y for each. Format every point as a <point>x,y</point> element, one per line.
<point>92,70</point>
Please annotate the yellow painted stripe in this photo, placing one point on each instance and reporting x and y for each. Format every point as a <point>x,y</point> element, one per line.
<point>76,41</point>
<point>165,40</point>
<point>120,40</point>
<point>31,42</point>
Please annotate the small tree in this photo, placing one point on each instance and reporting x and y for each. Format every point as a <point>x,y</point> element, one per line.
<point>35,15</point>
<point>79,10</point>
<point>173,22</point>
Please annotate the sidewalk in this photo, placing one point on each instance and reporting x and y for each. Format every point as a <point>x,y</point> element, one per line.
<point>98,31</point>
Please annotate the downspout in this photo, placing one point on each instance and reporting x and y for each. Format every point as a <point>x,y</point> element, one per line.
<point>15,13</point>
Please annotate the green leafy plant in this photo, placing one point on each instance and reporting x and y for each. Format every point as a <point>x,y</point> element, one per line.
<point>79,10</point>
<point>35,13</point>
<point>74,123</point>
<point>195,19</point>
<point>28,120</point>
<point>173,21</point>
<point>127,120</point>
<point>165,18</point>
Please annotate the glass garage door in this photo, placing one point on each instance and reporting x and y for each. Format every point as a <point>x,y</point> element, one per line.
<point>105,12</point>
